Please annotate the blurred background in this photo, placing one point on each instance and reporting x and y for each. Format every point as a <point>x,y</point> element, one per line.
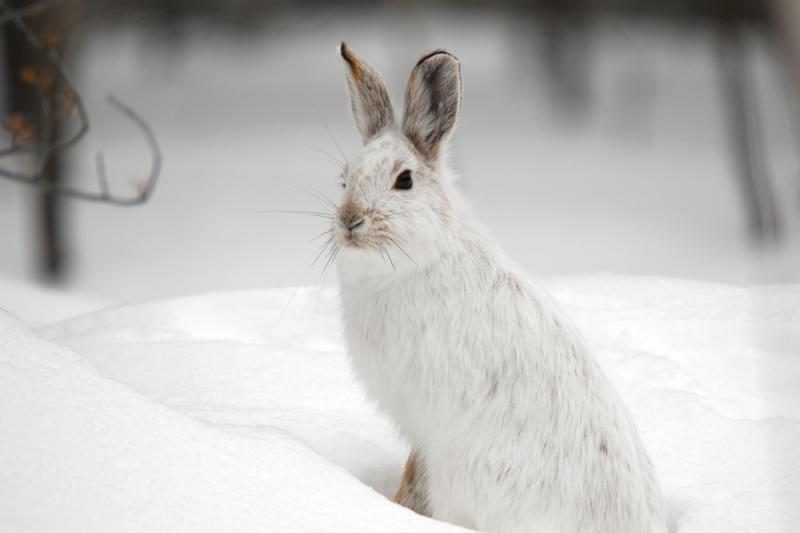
<point>635,137</point>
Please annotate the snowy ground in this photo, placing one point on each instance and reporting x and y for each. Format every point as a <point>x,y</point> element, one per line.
<point>237,411</point>
<point>641,183</point>
<point>39,305</point>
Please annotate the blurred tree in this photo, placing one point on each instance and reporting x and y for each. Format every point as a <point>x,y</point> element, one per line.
<point>744,121</point>
<point>43,103</point>
<point>33,87</point>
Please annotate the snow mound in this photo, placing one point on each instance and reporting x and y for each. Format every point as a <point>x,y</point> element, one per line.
<point>39,305</point>
<point>81,451</point>
<point>238,411</point>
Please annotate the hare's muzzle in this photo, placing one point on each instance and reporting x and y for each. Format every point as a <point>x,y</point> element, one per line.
<point>352,219</point>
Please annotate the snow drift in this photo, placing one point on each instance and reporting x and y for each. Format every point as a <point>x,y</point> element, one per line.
<point>237,411</point>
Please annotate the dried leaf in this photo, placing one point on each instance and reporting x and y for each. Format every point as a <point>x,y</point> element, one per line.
<point>69,98</point>
<point>50,38</point>
<point>47,78</point>
<point>141,185</point>
<point>22,130</point>
<point>28,75</point>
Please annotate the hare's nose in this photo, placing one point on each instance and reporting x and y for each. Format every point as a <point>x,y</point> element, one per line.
<point>351,216</point>
<point>355,224</point>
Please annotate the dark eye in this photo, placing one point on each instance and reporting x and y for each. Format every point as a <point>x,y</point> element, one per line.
<point>403,180</point>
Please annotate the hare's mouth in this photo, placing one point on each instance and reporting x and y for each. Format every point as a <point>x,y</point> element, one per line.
<point>359,232</point>
<point>358,239</point>
<point>351,241</point>
<point>377,243</point>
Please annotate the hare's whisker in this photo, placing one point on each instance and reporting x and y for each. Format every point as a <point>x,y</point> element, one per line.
<point>401,249</point>
<point>320,214</point>
<point>326,232</point>
<point>389,257</point>
<point>322,250</point>
<point>380,252</point>
<point>331,259</point>
<point>328,156</point>
<point>330,133</point>
<point>319,196</point>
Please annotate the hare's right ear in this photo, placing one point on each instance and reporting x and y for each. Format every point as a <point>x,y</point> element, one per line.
<point>369,98</point>
<point>433,99</point>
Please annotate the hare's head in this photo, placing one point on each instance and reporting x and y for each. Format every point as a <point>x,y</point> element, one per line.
<point>396,212</point>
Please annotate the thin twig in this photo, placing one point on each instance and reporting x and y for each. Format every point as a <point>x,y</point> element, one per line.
<point>100,166</point>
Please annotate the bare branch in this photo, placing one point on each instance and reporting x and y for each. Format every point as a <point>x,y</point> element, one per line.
<point>100,166</point>
<point>45,147</point>
<point>104,195</point>
<point>148,185</point>
<point>15,18</point>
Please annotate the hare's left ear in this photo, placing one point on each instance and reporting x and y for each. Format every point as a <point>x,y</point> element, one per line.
<point>369,98</point>
<point>433,99</point>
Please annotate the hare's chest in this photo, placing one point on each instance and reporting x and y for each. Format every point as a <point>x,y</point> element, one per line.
<point>398,350</point>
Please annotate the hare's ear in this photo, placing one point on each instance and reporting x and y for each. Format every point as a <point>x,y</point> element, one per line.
<point>369,98</point>
<point>433,98</point>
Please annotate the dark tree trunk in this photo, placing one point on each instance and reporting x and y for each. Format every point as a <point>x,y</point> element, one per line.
<point>744,129</point>
<point>52,27</point>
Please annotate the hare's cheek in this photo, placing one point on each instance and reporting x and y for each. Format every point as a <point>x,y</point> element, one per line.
<point>379,228</point>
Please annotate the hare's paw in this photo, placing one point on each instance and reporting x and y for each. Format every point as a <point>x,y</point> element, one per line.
<point>413,487</point>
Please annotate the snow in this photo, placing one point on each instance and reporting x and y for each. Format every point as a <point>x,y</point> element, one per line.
<point>237,411</point>
<point>38,305</point>
<point>84,452</point>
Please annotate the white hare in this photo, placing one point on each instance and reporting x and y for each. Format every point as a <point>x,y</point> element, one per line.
<point>513,425</point>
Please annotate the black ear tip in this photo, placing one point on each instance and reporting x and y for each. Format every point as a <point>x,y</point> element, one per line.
<point>348,56</point>
<point>435,53</point>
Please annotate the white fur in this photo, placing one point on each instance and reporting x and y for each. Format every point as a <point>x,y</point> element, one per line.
<point>516,425</point>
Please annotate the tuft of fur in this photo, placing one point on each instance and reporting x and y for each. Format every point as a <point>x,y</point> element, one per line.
<point>413,488</point>
<point>514,426</point>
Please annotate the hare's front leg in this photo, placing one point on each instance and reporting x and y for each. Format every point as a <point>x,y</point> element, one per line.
<point>413,488</point>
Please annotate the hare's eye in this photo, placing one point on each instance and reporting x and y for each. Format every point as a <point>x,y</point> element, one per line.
<point>403,181</point>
